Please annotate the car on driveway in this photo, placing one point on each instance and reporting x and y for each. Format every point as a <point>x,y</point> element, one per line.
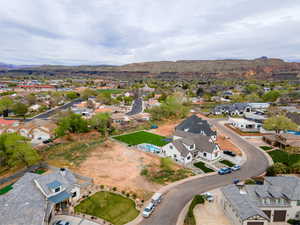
<point>230,153</point>
<point>61,222</point>
<point>235,168</point>
<point>148,210</point>
<point>208,196</point>
<point>224,170</point>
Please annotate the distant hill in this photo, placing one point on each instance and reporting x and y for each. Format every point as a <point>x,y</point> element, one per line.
<point>260,68</point>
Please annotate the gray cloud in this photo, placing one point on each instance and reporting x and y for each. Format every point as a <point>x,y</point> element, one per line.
<point>118,32</point>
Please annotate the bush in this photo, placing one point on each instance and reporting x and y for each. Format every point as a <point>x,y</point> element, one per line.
<point>190,219</point>
<point>114,188</point>
<point>144,172</point>
<point>277,168</point>
<point>102,186</point>
<point>293,221</point>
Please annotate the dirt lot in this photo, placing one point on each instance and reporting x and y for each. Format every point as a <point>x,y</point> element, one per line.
<point>226,144</point>
<point>211,213</point>
<point>116,165</point>
<point>166,129</point>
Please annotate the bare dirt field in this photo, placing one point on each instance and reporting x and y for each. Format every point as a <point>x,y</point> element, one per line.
<point>226,144</point>
<point>166,129</point>
<point>116,165</point>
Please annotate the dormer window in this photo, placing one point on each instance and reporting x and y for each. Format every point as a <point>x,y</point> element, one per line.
<point>55,186</point>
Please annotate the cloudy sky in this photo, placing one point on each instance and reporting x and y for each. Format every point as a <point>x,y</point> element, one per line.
<point>75,32</point>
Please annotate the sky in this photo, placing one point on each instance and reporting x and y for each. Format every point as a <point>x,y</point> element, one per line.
<point>115,32</point>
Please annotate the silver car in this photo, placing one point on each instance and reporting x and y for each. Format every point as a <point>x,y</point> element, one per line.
<point>61,222</point>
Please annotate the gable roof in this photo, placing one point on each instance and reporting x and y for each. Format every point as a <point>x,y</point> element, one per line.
<point>244,207</point>
<point>195,125</point>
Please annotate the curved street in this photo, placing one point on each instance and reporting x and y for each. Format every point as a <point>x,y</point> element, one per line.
<point>168,211</point>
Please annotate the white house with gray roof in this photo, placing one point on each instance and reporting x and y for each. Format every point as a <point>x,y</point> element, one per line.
<point>34,198</point>
<point>187,147</point>
<point>272,203</point>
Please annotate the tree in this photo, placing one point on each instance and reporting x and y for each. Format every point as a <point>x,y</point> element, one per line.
<point>271,96</point>
<point>31,99</point>
<point>173,107</point>
<point>104,98</point>
<point>252,88</point>
<point>279,123</point>
<point>88,93</point>
<point>103,123</point>
<point>20,109</point>
<point>5,103</point>
<point>71,95</point>
<point>253,98</point>
<point>200,92</point>
<point>296,168</point>
<point>14,149</point>
<point>72,123</point>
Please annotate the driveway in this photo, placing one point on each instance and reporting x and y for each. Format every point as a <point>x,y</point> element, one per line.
<point>174,201</point>
<point>74,220</point>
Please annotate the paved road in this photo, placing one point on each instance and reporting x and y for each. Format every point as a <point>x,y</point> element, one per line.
<point>168,211</point>
<point>49,113</point>
<point>137,107</point>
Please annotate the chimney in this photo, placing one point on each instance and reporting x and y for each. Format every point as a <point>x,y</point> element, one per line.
<point>241,187</point>
<point>62,171</point>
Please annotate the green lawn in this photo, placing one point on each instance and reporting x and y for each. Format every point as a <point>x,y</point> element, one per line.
<point>227,163</point>
<point>266,148</point>
<point>142,137</point>
<point>6,189</point>
<point>284,157</point>
<point>111,91</point>
<point>111,207</point>
<point>202,167</point>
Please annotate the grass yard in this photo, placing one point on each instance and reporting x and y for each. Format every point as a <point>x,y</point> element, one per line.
<point>227,163</point>
<point>201,166</point>
<point>6,189</point>
<point>266,148</point>
<point>284,157</point>
<point>111,207</point>
<point>111,91</point>
<point>142,137</point>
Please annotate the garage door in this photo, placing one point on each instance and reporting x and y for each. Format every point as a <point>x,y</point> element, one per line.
<point>279,216</point>
<point>255,223</point>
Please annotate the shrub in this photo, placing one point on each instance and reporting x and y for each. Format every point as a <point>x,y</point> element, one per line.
<point>144,172</point>
<point>190,219</point>
<point>114,188</point>
<point>102,186</point>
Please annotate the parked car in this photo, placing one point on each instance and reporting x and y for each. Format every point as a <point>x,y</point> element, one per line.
<point>61,222</point>
<point>208,196</point>
<point>156,198</point>
<point>227,152</point>
<point>236,181</point>
<point>224,170</point>
<point>235,168</point>
<point>148,210</point>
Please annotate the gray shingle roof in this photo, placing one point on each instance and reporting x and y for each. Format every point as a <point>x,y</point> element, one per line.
<point>24,204</point>
<point>241,203</point>
<point>196,125</point>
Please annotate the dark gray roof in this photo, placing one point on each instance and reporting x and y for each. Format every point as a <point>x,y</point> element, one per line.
<point>232,107</point>
<point>241,203</point>
<point>196,125</point>
<point>295,117</point>
<point>24,204</point>
<point>180,147</point>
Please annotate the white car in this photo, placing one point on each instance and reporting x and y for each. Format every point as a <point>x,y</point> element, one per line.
<point>61,222</point>
<point>148,210</point>
<point>208,196</point>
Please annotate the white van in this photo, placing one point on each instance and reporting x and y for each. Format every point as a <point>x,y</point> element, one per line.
<point>148,210</point>
<point>156,198</point>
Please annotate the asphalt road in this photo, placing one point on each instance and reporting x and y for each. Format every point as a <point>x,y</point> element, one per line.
<point>137,107</point>
<point>168,211</point>
<point>49,113</point>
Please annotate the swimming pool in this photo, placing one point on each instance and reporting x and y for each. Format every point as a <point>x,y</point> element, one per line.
<point>293,132</point>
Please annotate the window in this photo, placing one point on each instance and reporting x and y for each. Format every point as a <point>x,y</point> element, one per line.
<point>74,194</point>
<point>174,155</point>
<point>298,203</point>
<point>171,146</point>
<point>57,189</point>
<point>188,158</point>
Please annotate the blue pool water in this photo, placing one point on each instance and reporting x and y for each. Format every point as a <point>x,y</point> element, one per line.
<point>293,132</point>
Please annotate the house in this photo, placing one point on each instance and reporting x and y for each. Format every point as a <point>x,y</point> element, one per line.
<point>196,125</point>
<point>35,107</point>
<point>259,105</point>
<point>235,109</point>
<point>35,198</point>
<point>272,203</point>
<point>187,147</point>
<point>283,140</point>
<point>245,125</point>
<point>258,117</point>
